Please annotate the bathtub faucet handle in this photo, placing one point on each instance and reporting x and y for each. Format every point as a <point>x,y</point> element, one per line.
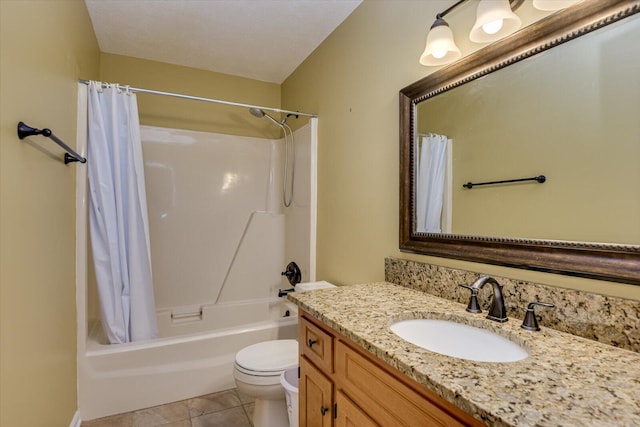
<point>293,273</point>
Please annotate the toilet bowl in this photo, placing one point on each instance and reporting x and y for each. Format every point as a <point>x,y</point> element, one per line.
<point>257,371</point>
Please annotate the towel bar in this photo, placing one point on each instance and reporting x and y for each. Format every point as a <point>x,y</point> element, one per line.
<point>70,155</point>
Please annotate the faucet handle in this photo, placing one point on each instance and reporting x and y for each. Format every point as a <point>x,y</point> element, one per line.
<point>473,306</point>
<point>530,323</point>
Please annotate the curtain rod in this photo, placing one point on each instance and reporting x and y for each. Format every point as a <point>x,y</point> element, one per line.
<point>216,101</point>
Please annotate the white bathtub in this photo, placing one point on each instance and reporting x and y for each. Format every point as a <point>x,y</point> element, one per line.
<point>193,358</point>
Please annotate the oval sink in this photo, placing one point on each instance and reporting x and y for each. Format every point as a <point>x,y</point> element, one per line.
<point>458,340</point>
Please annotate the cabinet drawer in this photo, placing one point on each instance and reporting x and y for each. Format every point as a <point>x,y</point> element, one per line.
<point>388,400</point>
<point>317,345</point>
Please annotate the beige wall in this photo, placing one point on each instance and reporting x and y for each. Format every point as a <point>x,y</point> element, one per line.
<point>164,111</point>
<point>352,80</point>
<point>45,47</point>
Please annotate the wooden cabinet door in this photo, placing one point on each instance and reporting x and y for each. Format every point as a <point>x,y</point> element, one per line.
<point>349,414</point>
<point>316,397</point>
<point>388,400</point>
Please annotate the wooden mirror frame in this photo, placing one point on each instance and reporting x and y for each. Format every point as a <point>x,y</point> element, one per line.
<point>604,261</point>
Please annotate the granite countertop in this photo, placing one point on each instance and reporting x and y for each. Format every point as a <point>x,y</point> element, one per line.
<point>565,381</point>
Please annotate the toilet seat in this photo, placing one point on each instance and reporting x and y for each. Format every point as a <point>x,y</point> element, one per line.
<point>261,364</point>
<point>259,373</point>
<point>268,358</point>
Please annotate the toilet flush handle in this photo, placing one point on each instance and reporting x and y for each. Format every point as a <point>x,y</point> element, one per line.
<point>311,342</point>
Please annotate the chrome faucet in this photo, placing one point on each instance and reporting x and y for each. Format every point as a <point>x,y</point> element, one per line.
<point>497,311</point>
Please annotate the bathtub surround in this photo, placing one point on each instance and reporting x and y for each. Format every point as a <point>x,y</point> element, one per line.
<point>609,320</point>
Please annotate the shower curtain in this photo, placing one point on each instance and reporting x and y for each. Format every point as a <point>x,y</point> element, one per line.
<point>119,225</point>
<point>432,150</point>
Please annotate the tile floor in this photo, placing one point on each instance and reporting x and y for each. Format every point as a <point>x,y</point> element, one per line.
<point>227,408</point>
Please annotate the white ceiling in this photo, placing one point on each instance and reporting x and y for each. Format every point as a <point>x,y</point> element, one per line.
<point>259,39</point>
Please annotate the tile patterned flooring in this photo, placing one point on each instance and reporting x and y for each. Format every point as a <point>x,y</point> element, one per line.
<point>228,408</point>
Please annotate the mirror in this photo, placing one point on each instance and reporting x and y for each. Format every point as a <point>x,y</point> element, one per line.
<point>584,220</point>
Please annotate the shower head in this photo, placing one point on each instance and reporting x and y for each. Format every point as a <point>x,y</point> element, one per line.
<point>259,113</point>
<point>288,142</point>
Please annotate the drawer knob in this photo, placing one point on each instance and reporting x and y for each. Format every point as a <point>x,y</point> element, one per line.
<point>311,342</point>
<point>323,410</point>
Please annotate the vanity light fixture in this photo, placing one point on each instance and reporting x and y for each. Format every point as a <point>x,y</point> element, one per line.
<point>494,20</point>
<point>553,4</point>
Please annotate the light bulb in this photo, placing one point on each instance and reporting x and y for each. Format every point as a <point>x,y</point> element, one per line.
<point>439,53</point>
<point>493,26</point>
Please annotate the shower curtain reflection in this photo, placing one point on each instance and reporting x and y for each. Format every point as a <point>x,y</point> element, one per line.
<point>431,182</point>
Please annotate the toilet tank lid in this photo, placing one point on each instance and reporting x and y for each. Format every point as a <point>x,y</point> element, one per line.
<point>269,356</point>
<point>312,286</point>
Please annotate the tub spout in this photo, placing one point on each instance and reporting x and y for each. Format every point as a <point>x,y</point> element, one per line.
<point>284,292</point>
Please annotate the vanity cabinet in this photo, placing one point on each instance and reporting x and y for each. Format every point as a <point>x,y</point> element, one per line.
<point>342,385</point>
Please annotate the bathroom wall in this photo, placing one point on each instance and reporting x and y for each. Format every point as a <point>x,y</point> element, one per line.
<point>352,80</point>
<point>45,46</point>
<point>176,113</point>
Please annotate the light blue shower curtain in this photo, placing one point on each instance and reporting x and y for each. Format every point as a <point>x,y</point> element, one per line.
<point>430,182</point>
<point>119,226</point>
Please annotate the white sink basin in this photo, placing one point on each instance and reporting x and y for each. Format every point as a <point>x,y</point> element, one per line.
<point>458,340</point>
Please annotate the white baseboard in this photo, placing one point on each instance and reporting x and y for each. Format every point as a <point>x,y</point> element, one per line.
<point>76,421</point>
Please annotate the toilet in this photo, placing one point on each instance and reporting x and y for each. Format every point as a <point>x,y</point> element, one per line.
<point>257,371</point>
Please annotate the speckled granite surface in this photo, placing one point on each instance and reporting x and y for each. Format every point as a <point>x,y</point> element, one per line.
<point>565,381</point>
<point>609,320</point>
